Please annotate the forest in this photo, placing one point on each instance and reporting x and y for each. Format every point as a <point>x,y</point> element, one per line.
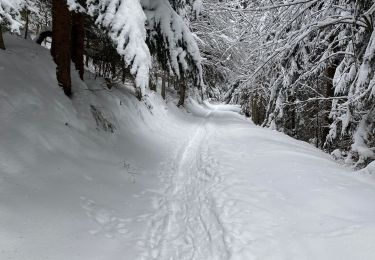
<point>187,129</point>
<point>304,68</point>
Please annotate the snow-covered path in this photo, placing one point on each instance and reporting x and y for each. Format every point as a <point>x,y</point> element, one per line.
<point>165,184</point>
<point>187,220</point>
<point>236,191</point>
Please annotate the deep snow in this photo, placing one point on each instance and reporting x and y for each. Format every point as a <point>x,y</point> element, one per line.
<point>202,183</point>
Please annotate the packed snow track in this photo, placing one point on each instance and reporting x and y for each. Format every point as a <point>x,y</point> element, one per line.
<point>236,191</point>
<point>187,221</point>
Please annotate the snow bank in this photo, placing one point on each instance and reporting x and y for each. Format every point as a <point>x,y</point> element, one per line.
<point>76,176</point>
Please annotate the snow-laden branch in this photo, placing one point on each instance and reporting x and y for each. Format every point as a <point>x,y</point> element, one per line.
<point>10,14</point>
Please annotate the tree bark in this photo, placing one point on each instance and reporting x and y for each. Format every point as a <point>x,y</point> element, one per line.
<point>87,47</point>
<point>77,42</point>
<point>27,24</point>
<point>255,110</point>
<point>182,84</point>
<point>163,79</point>
<point>61,38</point>
<point>2,45</point>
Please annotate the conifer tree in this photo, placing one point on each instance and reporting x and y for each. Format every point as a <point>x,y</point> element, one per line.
<point>10,17</point>
<point>138,28</point>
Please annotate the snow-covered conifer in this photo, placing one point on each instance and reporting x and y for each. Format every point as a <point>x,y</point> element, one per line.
<point>131,24</point>
<point>10,14</point>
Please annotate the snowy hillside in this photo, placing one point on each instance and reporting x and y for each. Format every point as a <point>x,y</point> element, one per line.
<point>104,176</point>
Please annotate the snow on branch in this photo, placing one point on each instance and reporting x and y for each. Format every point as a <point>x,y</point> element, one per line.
<point>131,24</point>
<point>125,24</point>
<point>177,40</point>
<point>9,14</point>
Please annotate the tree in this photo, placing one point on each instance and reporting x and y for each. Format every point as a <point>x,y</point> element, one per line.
<point>305,68</point>
<point>221,35</point>
<point>140,28</point>
<point>2,45</point>
<point>29,9</point>
<point>137,30</point>
<point>61,44</point>
<point>10,17</point>
<point>314,66</point>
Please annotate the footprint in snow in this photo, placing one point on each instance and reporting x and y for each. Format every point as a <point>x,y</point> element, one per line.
<point>131,170</point>
<point>105,221</point>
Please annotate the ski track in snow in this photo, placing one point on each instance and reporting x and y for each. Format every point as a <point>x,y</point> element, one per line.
<point>187,220</point>
<point>215,207</point>
<point>225,190</point>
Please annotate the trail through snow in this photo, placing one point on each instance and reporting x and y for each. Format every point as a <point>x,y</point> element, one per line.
<point>235,191</point>
<point>187,220</point>
<point>162,183</point>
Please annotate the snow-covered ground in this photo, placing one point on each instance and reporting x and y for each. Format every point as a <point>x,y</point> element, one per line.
<point>146,180</point>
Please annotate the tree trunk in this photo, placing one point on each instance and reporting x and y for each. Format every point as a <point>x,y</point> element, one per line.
<point>317,127</point>
<point>255,110</point>
<point>87,47</point>
<point>2,45</point>
<point>328,92</point>
<point>27,24</point>
<point>156,81</point>
<point>151,84</point>
<point>163,79</point>
<point>60,50</point>
<point>77,43</point>
<point>182,84</point>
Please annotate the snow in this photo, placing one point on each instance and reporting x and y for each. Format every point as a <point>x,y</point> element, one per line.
<point>361,136</point>
<point>178,39</point>
<point>73,5</point>
<point>198,7</point>
<point>125,21</point>
<point>9,14</point>
<point>130,22</point>
<point>200,183</point>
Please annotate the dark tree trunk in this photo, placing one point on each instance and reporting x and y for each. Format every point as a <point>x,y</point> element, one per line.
<point>2,45</point>
<point>151,84</point>
<point>182,84</point>
<point>113,69</point>
<point>255,110</point>
<point>163,81</point>
<point>27,24</point>
<point>77,42</point>
<point>60,50</point>
<point>87,47</point>
<point>317,127</point>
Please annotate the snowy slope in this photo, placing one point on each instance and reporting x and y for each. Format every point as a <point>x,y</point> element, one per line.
<point>69,189</point>
<point>166,184</point>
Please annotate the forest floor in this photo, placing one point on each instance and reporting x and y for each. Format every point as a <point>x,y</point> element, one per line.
<point>104,176</point>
